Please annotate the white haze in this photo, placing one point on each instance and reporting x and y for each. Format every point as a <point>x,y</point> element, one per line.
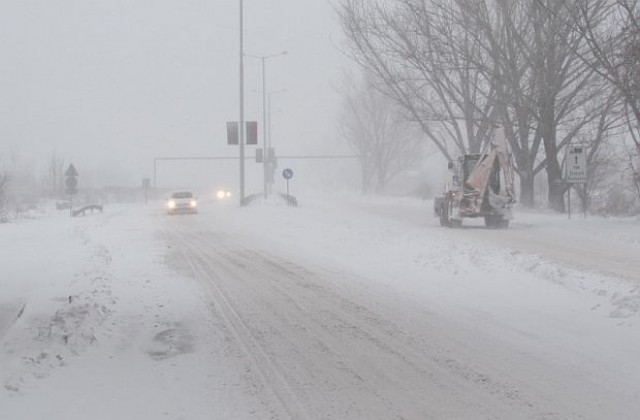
<point>110,85</point>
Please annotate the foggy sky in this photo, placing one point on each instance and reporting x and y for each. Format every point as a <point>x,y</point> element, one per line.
<point>111,84</point>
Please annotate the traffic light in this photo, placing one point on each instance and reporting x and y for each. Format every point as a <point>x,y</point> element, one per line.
<point>251,133</point>
<point>232,133</point>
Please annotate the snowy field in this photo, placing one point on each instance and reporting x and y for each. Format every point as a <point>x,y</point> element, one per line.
<point>341,308</point>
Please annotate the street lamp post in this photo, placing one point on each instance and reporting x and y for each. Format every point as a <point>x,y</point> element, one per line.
<point>241,122</point>
<point>265,160</point>
<point>268,144</point>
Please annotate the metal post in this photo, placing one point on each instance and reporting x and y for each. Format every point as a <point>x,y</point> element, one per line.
<point>264,126</point>
<point>241,122</point>
<point>268,138</point>
<point>267,142</point>
<point>265,162</point>
<point>569,200</point>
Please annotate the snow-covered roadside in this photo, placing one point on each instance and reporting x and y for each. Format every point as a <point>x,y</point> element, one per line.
<point>103,325</point>
<point>110,328</point>
<point>54,284</point>
<point>399,241</point>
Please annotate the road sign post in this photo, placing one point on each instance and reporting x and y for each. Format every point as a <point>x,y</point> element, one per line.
<point>575,170</point>
<point>71,182</point>
<point>146,184</point>
<point>288,174</point>
<point>576,165</point>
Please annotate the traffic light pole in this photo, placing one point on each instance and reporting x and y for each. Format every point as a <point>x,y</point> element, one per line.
<point>241,123</point>
<point>265,165</point>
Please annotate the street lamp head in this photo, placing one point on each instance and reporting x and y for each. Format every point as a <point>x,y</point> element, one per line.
<point>264,57</point>
<point>275,92</point>
<point>275,55</point>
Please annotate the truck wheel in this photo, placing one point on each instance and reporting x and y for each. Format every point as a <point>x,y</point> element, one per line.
<point>455,223</point>
<point>444,214</point>
<point>496,222</point>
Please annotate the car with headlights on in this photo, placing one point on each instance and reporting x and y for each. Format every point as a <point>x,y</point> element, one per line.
<point>182,202</point>
<point>223,195</point>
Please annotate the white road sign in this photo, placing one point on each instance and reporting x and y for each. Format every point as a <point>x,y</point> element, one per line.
<point>576,169</point>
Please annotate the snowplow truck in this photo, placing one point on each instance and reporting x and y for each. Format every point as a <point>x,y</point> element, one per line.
<point>481,185</point>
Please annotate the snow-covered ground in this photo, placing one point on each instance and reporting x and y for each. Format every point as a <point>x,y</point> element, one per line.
<point>341,308</point>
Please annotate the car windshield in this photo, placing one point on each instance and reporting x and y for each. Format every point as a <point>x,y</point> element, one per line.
<point>182,194</point>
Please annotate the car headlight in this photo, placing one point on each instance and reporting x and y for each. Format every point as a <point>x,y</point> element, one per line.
<point>193,203</point>
<point>171,204</point>
<point>221,194</point>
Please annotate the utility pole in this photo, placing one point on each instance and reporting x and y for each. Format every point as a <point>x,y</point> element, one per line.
<point>268,145</point>
<point>241,123</point>
<point>265,162</point>
<point>265,154</point>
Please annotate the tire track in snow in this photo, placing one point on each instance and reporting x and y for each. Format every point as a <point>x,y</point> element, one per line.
<point>283,303</point>
<point>420,370</point>
<point>416,361</point>
<point>271,376</point>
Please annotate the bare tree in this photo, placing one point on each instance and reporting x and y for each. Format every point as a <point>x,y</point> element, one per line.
<point>459,66</point>
<point>426,60</point>
<point>505,30</point>
<point>4,181</point>
<point>611,29</point>
<point>563,86</point>
<point>376,129</point>
<point>508,39</point>
<point>543,88</point>
<point>634,166</point>
<point>620,191</point>
<point>601,155</point>
<point>55,173</point>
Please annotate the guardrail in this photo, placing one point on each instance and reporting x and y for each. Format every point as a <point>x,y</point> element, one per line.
<point>85,209</point>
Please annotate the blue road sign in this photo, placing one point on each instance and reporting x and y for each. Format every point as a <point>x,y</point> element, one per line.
<point>287,173</point>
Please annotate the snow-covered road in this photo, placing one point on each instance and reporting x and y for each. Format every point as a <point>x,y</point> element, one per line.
<point>609,247</point>
<point>351,309</point>
<point>318,344</point>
